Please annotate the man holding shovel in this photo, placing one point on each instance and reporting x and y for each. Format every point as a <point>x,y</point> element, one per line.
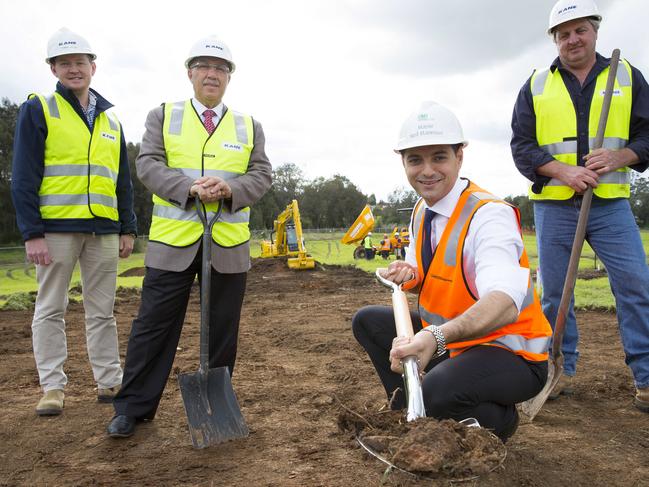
<point>554,124</point>
<point>467,262</point>
<point>197,149</point>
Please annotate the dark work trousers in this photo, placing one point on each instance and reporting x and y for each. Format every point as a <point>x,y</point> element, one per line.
<point>484,382</point>
<point>155,333</point>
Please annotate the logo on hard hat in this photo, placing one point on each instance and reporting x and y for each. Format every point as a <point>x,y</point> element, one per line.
<point>67,43</point>
<point>422,116</point>
<point>213,46</point>
<point>566,9</point>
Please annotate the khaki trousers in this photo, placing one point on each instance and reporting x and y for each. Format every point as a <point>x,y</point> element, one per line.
<point>97,256</point>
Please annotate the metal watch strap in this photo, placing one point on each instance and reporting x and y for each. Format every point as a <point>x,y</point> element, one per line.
<point>436,331</point>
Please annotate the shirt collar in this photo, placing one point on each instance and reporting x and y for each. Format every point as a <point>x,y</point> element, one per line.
<point>447,204</point>
<point>601,63</point>
<point>200,108</point>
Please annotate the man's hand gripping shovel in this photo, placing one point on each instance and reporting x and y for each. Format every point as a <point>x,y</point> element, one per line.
<point>411,377</point>
<point>213,413</point>
<point>531,407</point>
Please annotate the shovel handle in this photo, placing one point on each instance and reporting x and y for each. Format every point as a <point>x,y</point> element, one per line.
<point>206,279</point>
<point>580,232</point>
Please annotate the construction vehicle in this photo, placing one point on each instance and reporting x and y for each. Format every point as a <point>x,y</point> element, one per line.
<point>289,239</point>
<point>361,227</point>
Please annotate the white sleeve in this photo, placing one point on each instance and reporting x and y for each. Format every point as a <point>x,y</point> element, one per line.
<point>497,247</point>
<point>411,252</point>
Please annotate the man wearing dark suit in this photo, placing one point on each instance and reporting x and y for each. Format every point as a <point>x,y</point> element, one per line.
<point>192,150</point>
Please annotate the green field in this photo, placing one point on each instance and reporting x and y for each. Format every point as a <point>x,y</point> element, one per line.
<point>17,277</point>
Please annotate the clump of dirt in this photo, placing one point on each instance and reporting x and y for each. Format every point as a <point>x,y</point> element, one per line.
<point>588,274</point>
<point>133,271</point>
<point>426,446</point>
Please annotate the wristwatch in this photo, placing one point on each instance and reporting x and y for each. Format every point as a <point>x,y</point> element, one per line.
<point>436,331</point>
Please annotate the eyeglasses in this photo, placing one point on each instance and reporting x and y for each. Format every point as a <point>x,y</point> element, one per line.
<point>205,67</point>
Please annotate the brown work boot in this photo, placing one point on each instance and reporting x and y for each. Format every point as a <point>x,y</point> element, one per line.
<point>51,404</point>
<point>106,396</point>
<point>641,400</point>
<point>564,387</point>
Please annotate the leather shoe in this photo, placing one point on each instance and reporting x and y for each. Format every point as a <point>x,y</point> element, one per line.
<point>510,429</point>
<point>121,426</point>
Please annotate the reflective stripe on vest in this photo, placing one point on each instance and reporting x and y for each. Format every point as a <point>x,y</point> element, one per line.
<point>80,169</point>
<point>444,293</point>
<point>556,128</point>
<point>191,150</point>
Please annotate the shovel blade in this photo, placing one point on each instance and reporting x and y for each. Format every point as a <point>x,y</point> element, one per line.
<point>531,407</point>
<point>213,413</point>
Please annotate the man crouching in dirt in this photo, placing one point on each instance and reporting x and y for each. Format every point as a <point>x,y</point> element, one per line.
<point>476,300</point>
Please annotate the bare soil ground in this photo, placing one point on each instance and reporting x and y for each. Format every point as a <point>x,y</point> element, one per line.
<point>298,361</point>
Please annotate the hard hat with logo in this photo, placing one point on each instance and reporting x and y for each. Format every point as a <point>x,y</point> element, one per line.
<point>430,124</point>
<point>567,10</point>
<point>210,46</point>
<point>64,41</point>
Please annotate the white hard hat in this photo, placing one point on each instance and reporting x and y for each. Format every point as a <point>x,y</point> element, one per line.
<point>210,46</point>
<point>566,10</point>
<point>430,124</point>
<point>64,41</point>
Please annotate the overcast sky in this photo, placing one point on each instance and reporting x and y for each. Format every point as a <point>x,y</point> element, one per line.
<point>330,80</point>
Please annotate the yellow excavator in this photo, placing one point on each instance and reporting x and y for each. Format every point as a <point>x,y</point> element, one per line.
<point>363,225</point>
<point>289,240</point>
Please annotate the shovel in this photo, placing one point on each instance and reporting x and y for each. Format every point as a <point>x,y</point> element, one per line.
<point>213,413</point>
<point>411,378</point>
<point>555,365</point>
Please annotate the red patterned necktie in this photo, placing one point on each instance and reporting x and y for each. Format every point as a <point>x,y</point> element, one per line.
<point>208,122</point>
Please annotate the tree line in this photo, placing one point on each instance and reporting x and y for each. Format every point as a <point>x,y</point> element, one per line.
<point>332,202</point>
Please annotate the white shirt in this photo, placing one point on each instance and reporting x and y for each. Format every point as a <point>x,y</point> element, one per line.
<point>200,108</point>
<point>492,248</point>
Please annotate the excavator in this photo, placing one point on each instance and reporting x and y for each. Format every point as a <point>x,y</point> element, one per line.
<point>363,225</point>
<point>289,240</point>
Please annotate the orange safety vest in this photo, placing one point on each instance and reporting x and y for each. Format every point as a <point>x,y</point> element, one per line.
<point>385,244</point>
<point>444,293</point>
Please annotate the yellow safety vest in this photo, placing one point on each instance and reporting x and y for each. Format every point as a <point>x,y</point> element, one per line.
<point>190,149</point>
<point>81,168</point>
<point>556,128</point>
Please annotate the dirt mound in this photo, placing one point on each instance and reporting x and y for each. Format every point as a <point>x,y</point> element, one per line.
<point>427,447</point>
<point>133,271</point>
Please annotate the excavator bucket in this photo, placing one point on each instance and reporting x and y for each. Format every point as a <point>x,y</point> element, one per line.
<point>360,228</point>
<point>301,262</point>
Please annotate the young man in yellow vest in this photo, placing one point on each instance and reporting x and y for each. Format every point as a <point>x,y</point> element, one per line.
<point>196,149</point>
<point>554,124</point>
<point>73,196</point>
<point>480,334</point>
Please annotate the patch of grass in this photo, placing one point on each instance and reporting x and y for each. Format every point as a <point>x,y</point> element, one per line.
<point>19,302</point>
<point>325,247</point>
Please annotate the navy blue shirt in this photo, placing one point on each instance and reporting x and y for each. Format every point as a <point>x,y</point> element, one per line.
<point>27,174</point>
<point>527,154</point>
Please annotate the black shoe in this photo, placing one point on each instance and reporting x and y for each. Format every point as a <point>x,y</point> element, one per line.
<point>121,426</point>
<point>510,429</point>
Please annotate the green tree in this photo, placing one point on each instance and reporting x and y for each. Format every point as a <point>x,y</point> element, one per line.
<point>9,230</point>
<point>288,182</point>
<point>526,208</point>
<point>331,203</point>
<point>142,203</point>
